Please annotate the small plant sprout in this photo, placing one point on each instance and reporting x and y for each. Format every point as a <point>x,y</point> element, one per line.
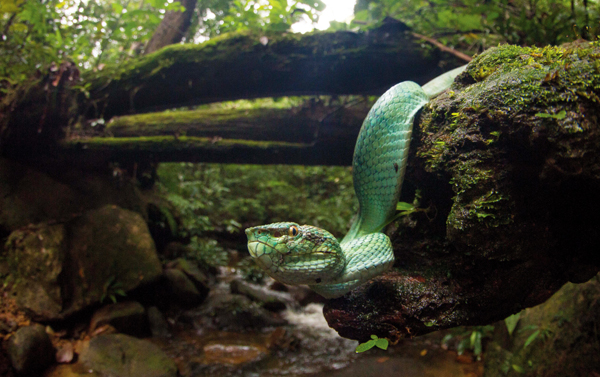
<point>374,342</point>
<point>511,323</point>
<point>561,115</point>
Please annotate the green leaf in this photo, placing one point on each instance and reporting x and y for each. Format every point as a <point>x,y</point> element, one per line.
<point>365,346</point>
<point>374,337</point>
<point>117,8</point>
<point>382,343</point>
<point>492,15</point>
<point>561,115</point>
<point>531,338</point>
<point>58,37</point>
<point>403,206</point>
<point>518,369</point>
<point>511,323</point>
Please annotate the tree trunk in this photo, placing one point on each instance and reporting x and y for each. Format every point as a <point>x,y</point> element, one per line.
<point>172,28</point>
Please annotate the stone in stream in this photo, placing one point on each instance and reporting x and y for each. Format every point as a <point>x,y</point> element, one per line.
<point>183,290</point>
<point>233,354</point>
<point>158,324</point>
<point>192,271</point>
<point>127,317</point>
<point>30,350</point>
<point>270,300</point>
<point>125,356</point>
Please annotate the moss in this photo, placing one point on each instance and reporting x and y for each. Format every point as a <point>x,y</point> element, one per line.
<point>497,85</point>
<point>165,143</point>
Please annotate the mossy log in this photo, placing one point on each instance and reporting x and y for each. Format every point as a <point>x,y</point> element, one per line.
<point>507,164</point>
<point>244,65</point>
<point>250,65</point>
<point>312,134</point>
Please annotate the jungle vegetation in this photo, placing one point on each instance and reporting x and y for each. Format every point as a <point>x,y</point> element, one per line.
<point>40,35</point>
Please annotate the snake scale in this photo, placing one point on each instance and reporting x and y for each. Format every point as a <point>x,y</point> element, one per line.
<point>303,254</point>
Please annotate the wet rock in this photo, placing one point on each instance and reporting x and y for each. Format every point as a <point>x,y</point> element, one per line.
<point>158,324</point>
<point>126,317</point>
<point>65,352</point>
<point>234,354</point>
<point>62,268</point>
<point>192,271</point>
<point>270,300</point>
<point>232,312</point>
<point>30,350</point>
<point>184,291</point>
<point>125,356</point>
<point>70,370</point>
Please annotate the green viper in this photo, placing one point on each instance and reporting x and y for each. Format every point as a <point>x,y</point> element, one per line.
<point>303,254</point>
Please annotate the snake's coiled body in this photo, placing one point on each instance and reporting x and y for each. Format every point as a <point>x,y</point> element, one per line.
<point>295,254</point>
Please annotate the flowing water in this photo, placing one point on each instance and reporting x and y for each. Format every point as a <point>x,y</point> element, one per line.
<point>308,347</point>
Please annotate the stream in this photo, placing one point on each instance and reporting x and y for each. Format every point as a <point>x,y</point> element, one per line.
<point>305,346</point>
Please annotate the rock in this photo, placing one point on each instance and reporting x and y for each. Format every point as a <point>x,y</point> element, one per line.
<point>29,196</point>
<point>127,317</point>
<point>234,354</point>
<point>507,165</point>
<point>30,350</point>
<point>125,356</point>
<point>183,289</point>
<point>270,300</point>
<point>63,268</point>
<point>70,370</point>
<point>198,277</point>
<point>158,324</point>
<point>36,257</point>
<point>232,312</point>
<point>64,352</point>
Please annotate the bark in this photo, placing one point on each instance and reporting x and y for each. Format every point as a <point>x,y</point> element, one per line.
<point>508,170</point>
<point>172,28</point>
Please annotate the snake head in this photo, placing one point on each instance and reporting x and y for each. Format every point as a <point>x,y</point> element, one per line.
<point>296,254</point>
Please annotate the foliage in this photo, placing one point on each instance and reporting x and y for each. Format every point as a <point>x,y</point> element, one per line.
<point>476,25</point>
<point>373,342</point>
<point>111,289</point>
<point>469,338</point>
<point>37,34</point>
<point>229,198</point>
<point>511,323</point>
<point>207,252</point>
<point>266,16</point>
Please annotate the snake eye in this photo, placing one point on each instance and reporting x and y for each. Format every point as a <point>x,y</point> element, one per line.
<point>293,231</point>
